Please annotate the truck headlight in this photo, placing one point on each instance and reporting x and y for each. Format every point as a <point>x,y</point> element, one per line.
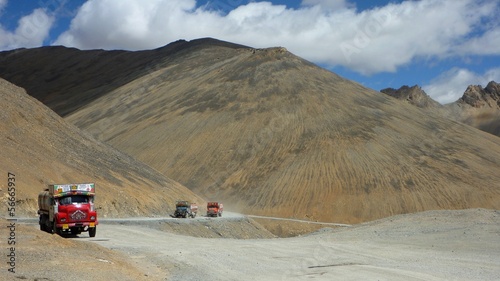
<point>92,218</point>
<point>63,220</point>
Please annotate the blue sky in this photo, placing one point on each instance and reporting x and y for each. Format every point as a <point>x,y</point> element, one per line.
<point>441,45</point>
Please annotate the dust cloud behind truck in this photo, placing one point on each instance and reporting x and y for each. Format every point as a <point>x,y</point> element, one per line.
<point>68,209</point>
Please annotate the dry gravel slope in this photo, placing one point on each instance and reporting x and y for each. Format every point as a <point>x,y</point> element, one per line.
<point>273,134</point>
<point>43,256</point>
<point>270,133</point>
<point>40,148</point>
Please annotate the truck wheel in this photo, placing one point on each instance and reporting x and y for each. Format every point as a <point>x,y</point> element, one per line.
<point>55,229</point>
<point>41,223</point>
<point>92,231</point>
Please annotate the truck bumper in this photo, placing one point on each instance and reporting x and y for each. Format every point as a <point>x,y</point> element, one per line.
<point>76,224</point>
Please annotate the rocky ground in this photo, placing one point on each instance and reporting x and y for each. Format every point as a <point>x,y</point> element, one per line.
<point>433,245</point>
<point>43,256</point>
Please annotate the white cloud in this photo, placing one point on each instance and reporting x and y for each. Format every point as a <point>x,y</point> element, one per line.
<point>328,4</point>
<point>134,24</point>
<point>30,32</point>
<point>451,85</point>
<point>486,44</point>
<point>329,32</point>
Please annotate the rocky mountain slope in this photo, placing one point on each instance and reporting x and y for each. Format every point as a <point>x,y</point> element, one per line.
<point>478,107</point>
<point>40,148</point>
<point>270,133</point>
<point>413,95</point>
<point>477,96</point>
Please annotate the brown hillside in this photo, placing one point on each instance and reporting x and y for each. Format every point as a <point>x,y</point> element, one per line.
<point>54,75</point>
<point>272,134</point>
<point>40,148</point>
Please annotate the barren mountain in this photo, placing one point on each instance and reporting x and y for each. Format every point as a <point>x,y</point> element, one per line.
<point>270,133</point>
<point>43,71</point>
<point>40,148</point>
<point>477,96</point>
<point>478,107</point>
<point>413,95</point>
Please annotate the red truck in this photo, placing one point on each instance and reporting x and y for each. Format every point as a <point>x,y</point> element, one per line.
<point>214,209</point>
<point>68,209</point>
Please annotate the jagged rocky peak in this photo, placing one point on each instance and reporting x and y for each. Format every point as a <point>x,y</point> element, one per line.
<point>493,88</point>
<point>477,96</point>
<point>413,95</point>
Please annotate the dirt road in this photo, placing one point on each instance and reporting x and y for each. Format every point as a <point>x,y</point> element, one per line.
<point>438,245</point>
<point>297,220</point>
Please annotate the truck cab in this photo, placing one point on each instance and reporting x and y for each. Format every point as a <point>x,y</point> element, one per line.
<point>214,209</point>
<point>68,209</point>
<point>182,209</point>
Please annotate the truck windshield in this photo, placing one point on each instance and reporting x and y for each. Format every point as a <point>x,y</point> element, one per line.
<point>73,199</point>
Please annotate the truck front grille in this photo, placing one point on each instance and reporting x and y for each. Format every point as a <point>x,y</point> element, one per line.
<point>78,215</point>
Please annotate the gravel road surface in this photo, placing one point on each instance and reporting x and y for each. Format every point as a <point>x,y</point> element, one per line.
<point>437,245</point>
<point>434,245</point>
